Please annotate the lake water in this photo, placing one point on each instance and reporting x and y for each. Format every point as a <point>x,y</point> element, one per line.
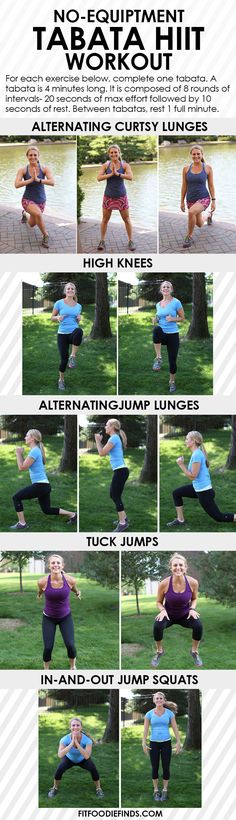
<point>221,157</point>
<point>61,159</point>
<point>142,195</point>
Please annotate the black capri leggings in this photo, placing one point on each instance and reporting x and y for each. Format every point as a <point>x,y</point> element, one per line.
<point>160,749</point>
<point>189,623</point>
<point>66,627</point>
<point>206,499</point>
<point>38,490</point>
<point>66,763</point>
<point>171,340</point>
<point>64,340</point>
<point>117,485</point>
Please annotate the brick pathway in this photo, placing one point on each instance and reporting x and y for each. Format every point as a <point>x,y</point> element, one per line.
<point>220,237</point>
<point>116,238</point>
<point>18,238</point>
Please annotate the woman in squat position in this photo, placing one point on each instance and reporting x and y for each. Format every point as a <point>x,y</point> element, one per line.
<point>34,177</point>
<point>75,750</point>
<point>169,313</point>
<point>159,720</point>
<point>200,487</point>
<point>40,487</point>
<point>177,601</point>
<point>198,188</point>
<point>56,588</point>
<point>67,312</point>
<point>115,449</point>
<point>114,171</point>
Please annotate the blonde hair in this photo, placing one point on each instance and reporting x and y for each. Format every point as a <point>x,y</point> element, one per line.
<point>74,286</point>
<point>198,439</point>
<point>80,721</point>
<point>117,148</point>
<point>32,148</point>
<point>117,426</point>
<point>168,703</point>
<point>177,555</point>
<point>199,148</point>
<point>168,283</point>
<point>55,555</point>
<point>37,436</point>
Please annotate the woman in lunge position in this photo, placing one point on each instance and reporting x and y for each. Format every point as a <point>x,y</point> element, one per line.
<point>159,720</point>
<point>177,601</point>
<point>198,188</point>
<point>56,588</point>
<point>75,750</point>
<point>67,312</point>
<point>115,449</point>
<point>34,177</point>
<point>169,313</point>
<point>114,171</point>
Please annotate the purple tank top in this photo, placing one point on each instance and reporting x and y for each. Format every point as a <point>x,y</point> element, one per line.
<point>57,600</point>
<point>177,603</point>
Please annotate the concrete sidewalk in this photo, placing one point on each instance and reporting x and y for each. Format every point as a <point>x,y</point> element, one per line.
<point>116,238</point>
<point>16,237</point>
<point>220,237</point>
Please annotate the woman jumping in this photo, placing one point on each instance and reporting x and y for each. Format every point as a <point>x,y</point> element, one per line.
<point>169,313</point>
<point>200,487</point>
<point>198,188</point>
<point>75,750</point>
<point>57,587</point>
<point>34,177</point>
<point>159,720</point>
<point>40,487</point>
<point>115,449</point>
<point>114,172</point>
<point>177,601</point>
<point>67,312</point>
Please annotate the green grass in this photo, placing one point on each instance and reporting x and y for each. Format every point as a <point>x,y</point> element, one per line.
<point>22,648</point>
<point>196,520</point>
<point>136,355</point>
<point>217,619</point>
<point>136,774</point>
<point>97,510</point>
<point>96,358</point>
<point>63,490</point>
<point>77,788</point>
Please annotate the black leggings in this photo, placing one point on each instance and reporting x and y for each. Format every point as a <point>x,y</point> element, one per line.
<point>38,490</point>
<point>66,763</point>
<point>171,340</point>
<point>117,485</point>
<point>160,749</point>
<point>189,623</point>
<point>206,499</point>
<point>66,627</point>
<point>64,340</point>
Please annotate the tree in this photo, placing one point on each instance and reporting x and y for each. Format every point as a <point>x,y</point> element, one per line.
<point>111,733</point>
<point>150,284</point>
<point>231,460</point>
<point>101,328</point>
<point>136,567</point>
<point>19,560</point>
<point>149,468</point>
<point>53,286</point>
<point>198,328</point>
<point>48,425</point>
<point>218,572</point>
<point>193,735</point>
<point>102,567</point>
<point>134,427</point>
<point>68,462</point>
<point>142,699</point>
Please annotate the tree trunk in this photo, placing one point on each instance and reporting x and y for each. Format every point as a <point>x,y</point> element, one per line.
<point>149,468</point>
<point>68,460</point>
<point>193,736</point>
<point>101,326</point>
<point>198,328</point>
<point>137,600</point>
<point>231,460</point>
<point>112,728</point>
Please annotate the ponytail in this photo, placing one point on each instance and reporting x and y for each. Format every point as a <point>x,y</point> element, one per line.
<point>168,703</point>
<point>197,437</point>
<point>37,436</point>
<point>117,426</point>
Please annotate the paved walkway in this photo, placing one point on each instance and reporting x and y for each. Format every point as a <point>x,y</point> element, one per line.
<point>220,237</point>
<point>18,238</point>
<point>116,238</point>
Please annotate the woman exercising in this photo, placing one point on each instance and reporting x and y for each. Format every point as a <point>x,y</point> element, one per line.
<point>159,720</point>
<point>114,171</point>
<point>67,312</point>
<point>34,177</point>
<point>200,487</point>
<point>40,487</point>
<point>169,313</point>
<point>75,750</point>
<point>57,587</point>
<point>198,188</point>
<point>115,449</point>
<point>177,601</point>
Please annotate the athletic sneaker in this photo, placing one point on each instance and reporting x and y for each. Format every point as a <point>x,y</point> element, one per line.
<point>156,660</point>
<point>19,526</point>
<point>61,384</point>
<point>156,795</point>
<point>196,658</point>
<point>45,241</point>
<point>73,519</point>
<point>101,246</point>
<point>209,218</point>
<point>126,520</point>
<point>99,793</point>
<point>172,387</point>
<point>23,218</point>
<point>52,792</point>
<point>131,245</point>
<point>157,363</point>
<point>164,795</point>
<point>72,362</point>
<point>188,241</point>
<point>122,527</point>
<point>175,523</point>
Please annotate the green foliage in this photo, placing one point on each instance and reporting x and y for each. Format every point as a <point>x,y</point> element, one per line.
<point>103,567</point>
<point>48,425</point>
<point>150,285</point>
<point>219,576</point>
<point>142,700</point>
<point>54,284</point>
<point>94,150</point>
<point>136,567</point>
<point>205,424</point>
<point>80,194</point>
<point>135,428</point>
